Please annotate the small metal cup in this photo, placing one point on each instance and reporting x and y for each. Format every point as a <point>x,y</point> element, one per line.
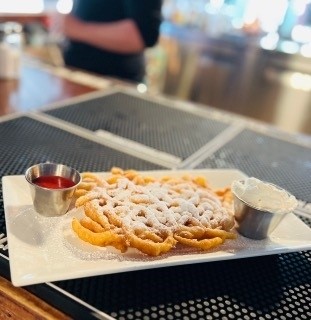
<point>51,202</point>
<point>253,222</point>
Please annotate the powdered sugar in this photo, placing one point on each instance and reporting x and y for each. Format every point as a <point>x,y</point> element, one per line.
<point>160,206</point>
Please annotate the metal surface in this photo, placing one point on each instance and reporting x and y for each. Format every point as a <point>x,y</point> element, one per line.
<point>51,202</point>
<point>257,208</point>
<point>267,158</point>
<point>254,223</point>
<point>219,290</point>
<point>234,73</point>
<point>170,130</point>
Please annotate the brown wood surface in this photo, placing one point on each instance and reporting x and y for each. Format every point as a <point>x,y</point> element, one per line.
<point>17,303</point>
<point>41,18</point>
<point>35,89</point>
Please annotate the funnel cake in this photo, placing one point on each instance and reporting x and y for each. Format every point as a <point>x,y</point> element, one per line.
<point>154,216</point>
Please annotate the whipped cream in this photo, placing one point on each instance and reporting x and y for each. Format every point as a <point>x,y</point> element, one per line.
<point>264,196</point>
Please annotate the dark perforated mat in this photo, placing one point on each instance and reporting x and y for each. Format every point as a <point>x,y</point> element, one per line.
<point>271,287</point>
<point>24,142</point>
<point>285,164</point>
<point>275,287</point>
<point>143,121</point>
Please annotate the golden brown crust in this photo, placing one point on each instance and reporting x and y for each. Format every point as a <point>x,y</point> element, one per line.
<point>128,209</point>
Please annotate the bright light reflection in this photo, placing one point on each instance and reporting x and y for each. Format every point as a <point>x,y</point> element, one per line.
<point>270,41</point>
<point>64,6</point>
<point>22,6</point>
<point>237,23</point>
<point>216,3</point>
<point>289,47</point>
<point>141,88</point>
<point>305,50</point>
<point>299,6</point>
<point>250,14</point>
<point>301,34</point>
<point>257,10</point>
<point>300,81</point>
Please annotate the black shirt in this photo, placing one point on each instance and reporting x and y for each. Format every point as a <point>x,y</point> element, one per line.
<point>147,16</point>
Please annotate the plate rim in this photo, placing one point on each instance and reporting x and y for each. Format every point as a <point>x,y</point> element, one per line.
<point>153,264</point>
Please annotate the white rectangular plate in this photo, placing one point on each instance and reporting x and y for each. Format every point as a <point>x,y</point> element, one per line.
<point>45,249</point>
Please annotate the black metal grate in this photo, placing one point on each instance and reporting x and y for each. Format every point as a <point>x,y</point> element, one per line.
<point>24,142</point>
<point>285,164</point>
<point>273,287</point>
<point>306,220</point>
<point>150,123</point>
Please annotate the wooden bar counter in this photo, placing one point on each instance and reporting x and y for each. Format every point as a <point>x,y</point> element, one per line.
<point>37,87</point>
<point>17,303</point>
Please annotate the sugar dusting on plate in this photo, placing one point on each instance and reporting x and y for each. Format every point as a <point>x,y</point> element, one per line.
<point>56,239</point>
<point>86,251</point>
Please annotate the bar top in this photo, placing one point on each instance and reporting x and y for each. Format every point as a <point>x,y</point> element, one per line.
<point>37,86</point>
<point>61,115</point>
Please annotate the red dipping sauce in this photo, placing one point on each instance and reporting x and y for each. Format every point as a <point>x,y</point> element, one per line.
<point>53,182</point>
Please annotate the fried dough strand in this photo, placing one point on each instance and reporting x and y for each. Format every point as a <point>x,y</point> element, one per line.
<point>103,239</point>
<point>129,209</point>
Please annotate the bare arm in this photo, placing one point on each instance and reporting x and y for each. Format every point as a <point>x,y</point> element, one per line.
<point>122,36</point>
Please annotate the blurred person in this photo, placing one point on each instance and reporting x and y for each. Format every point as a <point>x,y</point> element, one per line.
<point>109,37</point>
